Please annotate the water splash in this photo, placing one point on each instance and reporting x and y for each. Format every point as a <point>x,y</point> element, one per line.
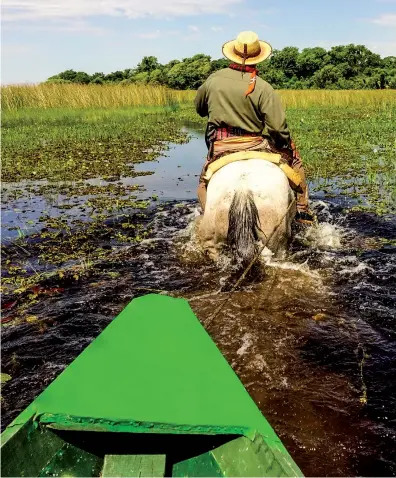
<point>295,337</point>
<point>246,343</point>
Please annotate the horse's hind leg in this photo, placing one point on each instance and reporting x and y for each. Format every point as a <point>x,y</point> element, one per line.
<point>213,232</point>
<point>207,236</point>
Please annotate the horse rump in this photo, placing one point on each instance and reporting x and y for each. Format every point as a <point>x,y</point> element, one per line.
<point>243,227</point>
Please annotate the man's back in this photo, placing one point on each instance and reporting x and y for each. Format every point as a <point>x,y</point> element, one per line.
<point>223,98</point>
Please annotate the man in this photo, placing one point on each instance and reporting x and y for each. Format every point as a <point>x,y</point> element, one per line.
<point>245,113</point>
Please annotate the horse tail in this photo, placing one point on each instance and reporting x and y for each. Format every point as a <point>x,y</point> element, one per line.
<point>243,226</point>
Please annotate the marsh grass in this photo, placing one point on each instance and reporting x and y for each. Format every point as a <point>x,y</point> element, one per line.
<point>375,99</point>
<point>46,96</point>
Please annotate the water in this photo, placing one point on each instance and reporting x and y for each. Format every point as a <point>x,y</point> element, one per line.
<point>174,176</point>
<point>313,339</point>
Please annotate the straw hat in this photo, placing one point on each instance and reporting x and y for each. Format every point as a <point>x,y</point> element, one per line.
<point>247,46</point>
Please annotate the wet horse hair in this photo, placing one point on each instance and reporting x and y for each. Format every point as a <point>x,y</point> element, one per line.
<point>243,226</point>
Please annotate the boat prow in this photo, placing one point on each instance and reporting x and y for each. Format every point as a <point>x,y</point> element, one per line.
<point>151,396</point>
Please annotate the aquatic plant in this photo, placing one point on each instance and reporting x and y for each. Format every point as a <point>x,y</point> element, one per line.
<point>77,159</point>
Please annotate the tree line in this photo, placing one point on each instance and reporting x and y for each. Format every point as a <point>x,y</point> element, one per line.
<point>341,67</point>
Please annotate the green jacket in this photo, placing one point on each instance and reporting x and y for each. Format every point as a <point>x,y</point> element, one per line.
<point>222,98</point>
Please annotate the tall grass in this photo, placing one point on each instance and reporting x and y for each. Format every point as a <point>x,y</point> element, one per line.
<point>47,96</point>
<point>342,98</point>
<point>85,96</point>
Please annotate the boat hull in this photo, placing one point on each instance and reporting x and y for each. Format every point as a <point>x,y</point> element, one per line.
<point>151,396</point>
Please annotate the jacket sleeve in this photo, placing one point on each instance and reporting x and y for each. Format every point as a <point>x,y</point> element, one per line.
<point>275,119</point>
<point>201,101</point>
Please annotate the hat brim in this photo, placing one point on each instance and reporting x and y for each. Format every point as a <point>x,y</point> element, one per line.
<point>228,52</point>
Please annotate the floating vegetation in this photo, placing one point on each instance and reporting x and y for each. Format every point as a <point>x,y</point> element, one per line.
<point>71,145</point>
<point>73,162</point>
<point>66,170</point>
<point>4,378</point>
<point>47,263</point>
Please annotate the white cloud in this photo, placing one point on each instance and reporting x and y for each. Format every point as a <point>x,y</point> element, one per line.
<point>193,28</point>
<point>217,29</point>
<point>17,10</point>
<point>386,19</point>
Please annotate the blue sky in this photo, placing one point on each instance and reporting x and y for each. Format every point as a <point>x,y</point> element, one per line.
<point>43,37</point>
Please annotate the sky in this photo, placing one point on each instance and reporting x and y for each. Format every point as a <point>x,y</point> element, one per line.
<point>40,38</point>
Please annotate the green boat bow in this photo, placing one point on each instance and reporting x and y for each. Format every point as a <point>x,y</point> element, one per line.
<point>152,395</point>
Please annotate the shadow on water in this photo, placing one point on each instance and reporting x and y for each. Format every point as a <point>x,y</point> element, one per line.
<point>313,341</point>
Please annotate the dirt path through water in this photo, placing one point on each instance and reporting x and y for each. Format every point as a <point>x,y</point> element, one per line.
<point>313,340</point>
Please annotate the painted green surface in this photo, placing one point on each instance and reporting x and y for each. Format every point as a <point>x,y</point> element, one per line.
<point>134,465</point>
<point>243,457</point>
<point>28,451</point>
<point>68,422</point>
<point>239,457</point>
<point>200,466</point>
<point>154,367</point>
<point>72,461</point>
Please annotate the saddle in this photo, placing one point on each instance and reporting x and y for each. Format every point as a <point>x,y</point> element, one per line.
<point>275,158</point>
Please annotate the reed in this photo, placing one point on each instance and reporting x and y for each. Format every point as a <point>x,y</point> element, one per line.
<point>343,98</point>
<point>47,96</point>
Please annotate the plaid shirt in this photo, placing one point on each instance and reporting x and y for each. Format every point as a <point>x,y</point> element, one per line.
<point>217,134</point>
<point>214,134</point>
<point>229,131</point>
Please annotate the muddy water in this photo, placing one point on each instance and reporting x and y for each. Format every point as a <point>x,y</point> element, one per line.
<point>312,339</point>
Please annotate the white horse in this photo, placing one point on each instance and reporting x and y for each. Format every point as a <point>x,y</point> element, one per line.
<point>246,200</point>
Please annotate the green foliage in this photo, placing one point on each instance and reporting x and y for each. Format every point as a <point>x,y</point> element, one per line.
<point>341,67</point>
<point>310,60</point>
<point>148,64</point>
<point>219,64</point>
<point>327,77</point>
<point>71,76</point>
<point>4,377</point>
<point>115,77</point>
<point>58,81</point>
<point>97,80</point>
<point>158,76</point>
<point>285,60</point>
<point>190,73</point>
<point>141,77</point>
